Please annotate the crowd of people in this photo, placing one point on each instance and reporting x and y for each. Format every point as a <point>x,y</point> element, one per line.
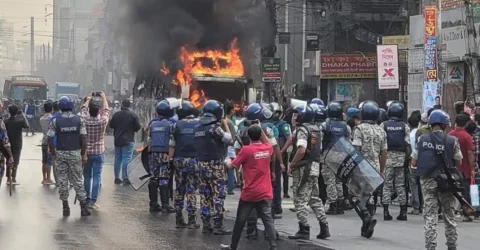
<point>257,150</point>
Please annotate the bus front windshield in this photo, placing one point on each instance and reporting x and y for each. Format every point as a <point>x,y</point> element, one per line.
<point>29,92</point>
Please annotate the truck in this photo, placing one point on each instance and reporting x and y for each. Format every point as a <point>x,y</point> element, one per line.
<point>69,89</point>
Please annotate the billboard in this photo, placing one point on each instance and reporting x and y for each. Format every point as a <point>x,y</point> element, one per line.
<point>387,61</point>
<point>348,66</point>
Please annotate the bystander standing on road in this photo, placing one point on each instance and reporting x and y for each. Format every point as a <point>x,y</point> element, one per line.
<point>124,124</point>
<point>96,121</point>
<point>15,125</point>
<point>46,156</point>
<point>30,112</point>
<point>229,113</point>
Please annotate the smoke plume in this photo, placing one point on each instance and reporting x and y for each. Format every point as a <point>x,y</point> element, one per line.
<point>155,30</point>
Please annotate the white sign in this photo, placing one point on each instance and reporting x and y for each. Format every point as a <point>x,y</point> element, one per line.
<point>124,86</point>
<point>387,62</point>
<point>454,43</point>
<point>455,72</point>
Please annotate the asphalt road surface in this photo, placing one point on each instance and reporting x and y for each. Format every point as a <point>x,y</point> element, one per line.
<point>32,217</point>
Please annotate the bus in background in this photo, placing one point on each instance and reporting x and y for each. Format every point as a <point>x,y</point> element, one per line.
<point>20,88</point>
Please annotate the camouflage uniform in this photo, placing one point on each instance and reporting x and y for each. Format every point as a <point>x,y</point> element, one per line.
<point>432,200</point>
<point>69,165</point>
<point>308,193</point>
<point>395,173</point>
<point>160,168</point>
<point>371,139</point>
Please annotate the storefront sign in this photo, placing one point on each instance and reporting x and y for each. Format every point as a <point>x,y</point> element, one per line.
<point>455,72</point>
<point>348,66</point>
<point>271,70</point>
<point>387,61</point>
<point>402,41</point>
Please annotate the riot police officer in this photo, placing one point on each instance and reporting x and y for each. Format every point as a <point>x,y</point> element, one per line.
<point>434,149</point>
<point>382,117</point>
<point>371,141</point>
<point>353,119</point>
<point>159,131</point>
<point>335,128</point>
<point>69,153</point>
<point>398,142</point>
<point>305,168</point>
<point>185,162</point>
<point>210,144</point>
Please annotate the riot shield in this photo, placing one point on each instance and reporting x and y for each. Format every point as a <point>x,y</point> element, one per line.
<point>138,170</point>
<point>349,165</point>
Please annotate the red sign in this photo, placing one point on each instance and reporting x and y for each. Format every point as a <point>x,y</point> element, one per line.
<point>348,66</point>
<point>430,13</point>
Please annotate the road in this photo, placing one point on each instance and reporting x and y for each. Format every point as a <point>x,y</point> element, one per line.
<point>32,217</point>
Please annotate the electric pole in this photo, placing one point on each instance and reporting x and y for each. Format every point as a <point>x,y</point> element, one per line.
<point>32,45</point>
<point>472,60</point>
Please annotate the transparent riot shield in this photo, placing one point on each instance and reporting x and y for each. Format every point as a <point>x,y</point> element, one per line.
<point>138,170</point>
<point>361,178</point>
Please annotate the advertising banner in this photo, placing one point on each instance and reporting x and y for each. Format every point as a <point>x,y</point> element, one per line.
<point>348,66</point>
<point>430,45</point>
<point>431,95</point>
<point>387,61</point>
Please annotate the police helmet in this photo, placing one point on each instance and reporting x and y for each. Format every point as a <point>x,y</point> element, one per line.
<point>65,103</point>
<point>389,103</point>
<point>439,117</point>
<point>254,112</point>
<point>382,116</point>
<point>215,108</point>
<point>334,111</point>
<point>186,109</point>
<point>352,111</point>
<point>320,112</point>
<point>360,105</point>
<point>276,107</point>
<point>395,111</point>
<point>164,109</point>
<point>305,114</point>
<point>267,111</point>
<point>370,112</point>
<point>317,101</point>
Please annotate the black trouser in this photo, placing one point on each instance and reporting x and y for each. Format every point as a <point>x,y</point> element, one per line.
<point>264,211</point>
<point>16,152</point>
<point>277,188</point>
<point>322,188</point>
<point>285,174</point>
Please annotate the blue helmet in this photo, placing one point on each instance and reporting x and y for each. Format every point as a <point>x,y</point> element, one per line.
<point>353,111</point>
<point>320,112</point>
<point>370,112</point>
<point>334,111</point>
<point>164,109</point>
<point>395,111</point>
<point>382,116</point>
<point>439,117</point>
<point>267,110</point>
<point>214,108</point>
<point>254,112</point>
<point>317,101</point>
<point>305,114</point>
<point>65,103</point>
<point>186,109</point>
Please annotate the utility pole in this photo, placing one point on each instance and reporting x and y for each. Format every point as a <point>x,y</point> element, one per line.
<point>48,54</point>
<point>44,56</point>
<point>472,59</point>
<point>32,45</point>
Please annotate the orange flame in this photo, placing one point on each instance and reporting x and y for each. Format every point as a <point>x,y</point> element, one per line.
<point>164,69</point>
<point>197,98</point>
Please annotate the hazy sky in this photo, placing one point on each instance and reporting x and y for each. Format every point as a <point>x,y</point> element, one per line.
<point>20,11</point>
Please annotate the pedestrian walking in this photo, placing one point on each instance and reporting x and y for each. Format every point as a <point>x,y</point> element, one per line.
<point>96,119</point>
<point>70,153</point>
<point>46,156</point>
<point>125,124</point>
<point>15,125</point>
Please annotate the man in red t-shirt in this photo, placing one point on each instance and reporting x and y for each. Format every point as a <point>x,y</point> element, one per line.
<point>257,190</point>
<point>465,141</point>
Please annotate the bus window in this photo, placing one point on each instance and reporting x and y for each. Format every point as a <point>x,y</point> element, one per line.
<point>28,92</point>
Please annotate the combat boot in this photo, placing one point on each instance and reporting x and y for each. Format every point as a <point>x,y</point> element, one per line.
<point>164,198</point>
<point>153,195</point>
<point>372,209</point>
<point>340,209</point>
<point>403,213</point>
<point>207,225</point>
<point>192,222</point>
<point>179,221</point>
<point>386,213</point>
<point>324,231</point>
<point>84,209</point>
<point>332,210</point>
<point>302,234</point>
<point>219,228</point>
<point>66,209</point>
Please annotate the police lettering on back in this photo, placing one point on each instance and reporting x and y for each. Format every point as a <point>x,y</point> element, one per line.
<point>430,145</point>
<point>68,129</point>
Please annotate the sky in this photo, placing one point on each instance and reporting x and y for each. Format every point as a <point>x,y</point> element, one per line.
<point>20,11</point>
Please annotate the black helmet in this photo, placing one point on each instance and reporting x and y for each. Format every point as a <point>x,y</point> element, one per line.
<point>334,111</point>
<point>164,109</point>
<point>214,108</point>
<point>305,114</point>
<point>185,110</point>
<point>320,112</point>
<point>395,111</point>
<point>370,112</point>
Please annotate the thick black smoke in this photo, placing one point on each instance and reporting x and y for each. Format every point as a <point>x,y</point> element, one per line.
<point>157,29</point>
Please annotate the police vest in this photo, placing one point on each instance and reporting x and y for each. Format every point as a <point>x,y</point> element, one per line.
<point>335,131</point>
<point>429,146</point>
<point>160,134</point>
<point>31,110</point>
<point>282,139</point>
<point>68,133</point>
<point>395,135</point>
<point>207,146</point>
<point>314,144</point>
<point>185,138</point>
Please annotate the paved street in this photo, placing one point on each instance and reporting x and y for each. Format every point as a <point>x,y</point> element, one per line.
<point>32,219</point>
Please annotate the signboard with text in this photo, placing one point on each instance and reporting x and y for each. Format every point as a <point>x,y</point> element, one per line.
<point>431,44</point>
<point>348,66</point>
<point>271,70</point>
<point>387,61</point>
